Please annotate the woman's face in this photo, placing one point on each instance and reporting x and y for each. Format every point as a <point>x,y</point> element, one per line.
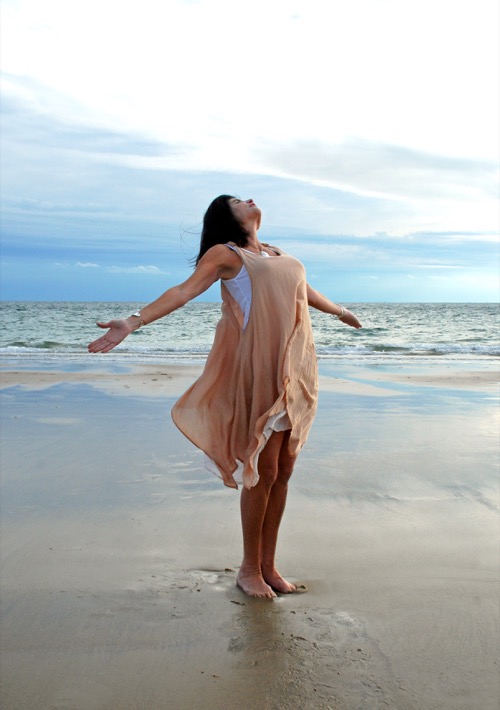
<point>245,211</point>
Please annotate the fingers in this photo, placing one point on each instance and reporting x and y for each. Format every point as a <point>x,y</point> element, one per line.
<point>350,319</point>
<point>101,345</point>
<point>117,331</point>
<point>94,347</point>
<point>356,324</point>
<point>100,348</point>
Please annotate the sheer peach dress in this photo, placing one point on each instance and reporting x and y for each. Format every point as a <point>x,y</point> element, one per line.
<point>256,380</point>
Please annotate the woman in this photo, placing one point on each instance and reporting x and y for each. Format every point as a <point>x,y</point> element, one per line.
<point>253,406</point>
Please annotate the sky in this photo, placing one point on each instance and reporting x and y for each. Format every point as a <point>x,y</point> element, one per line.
<point>365,130</point>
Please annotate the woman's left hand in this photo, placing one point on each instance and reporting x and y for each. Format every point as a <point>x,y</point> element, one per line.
<point>350,319</point>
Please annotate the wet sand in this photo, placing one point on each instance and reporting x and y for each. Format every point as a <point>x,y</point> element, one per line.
<point>119,551</point>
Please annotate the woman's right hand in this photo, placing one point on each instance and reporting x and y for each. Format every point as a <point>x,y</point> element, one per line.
<point>118,331</point>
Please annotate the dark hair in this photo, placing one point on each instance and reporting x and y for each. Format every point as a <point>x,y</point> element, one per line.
<point>220,226</point>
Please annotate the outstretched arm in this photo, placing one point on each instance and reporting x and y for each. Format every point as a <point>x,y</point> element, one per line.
<point>322,303</point>
<point>218,262</point>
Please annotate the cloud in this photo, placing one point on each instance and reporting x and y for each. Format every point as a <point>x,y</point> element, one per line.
<point>35,115</point>
<point>372,147</point>
<point>375,186</point>
<point>450,238</point>
<point>438,266</point>
<point>143,270</point>
<point>382,170</point>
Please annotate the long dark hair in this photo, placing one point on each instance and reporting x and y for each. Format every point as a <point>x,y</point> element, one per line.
<point>220,226</point>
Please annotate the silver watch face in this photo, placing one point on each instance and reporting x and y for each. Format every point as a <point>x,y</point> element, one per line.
<point>137,314</point>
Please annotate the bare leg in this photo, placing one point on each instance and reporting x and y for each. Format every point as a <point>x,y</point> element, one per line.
<point>274,513</point>
<point>254,504</point>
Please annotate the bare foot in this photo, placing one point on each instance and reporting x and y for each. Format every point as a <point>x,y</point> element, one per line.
<point>254,586</point>
<point>277,582</point>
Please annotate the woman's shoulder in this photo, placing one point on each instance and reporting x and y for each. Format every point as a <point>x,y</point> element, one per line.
<point>220,255</point>
<point>222,251</point>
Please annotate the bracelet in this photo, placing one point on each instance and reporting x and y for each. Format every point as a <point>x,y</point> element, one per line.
<point>341,315</point>
<point>138,314</point>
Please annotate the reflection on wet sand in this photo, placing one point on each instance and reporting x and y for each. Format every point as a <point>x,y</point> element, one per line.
<point>120,552</point>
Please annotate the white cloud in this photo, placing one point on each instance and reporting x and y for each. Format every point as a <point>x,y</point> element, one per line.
<point>150,270</point>
<point>438,266</point>
<point>375,169</point>
<point>217,75</point>
<point>87,265</point>
<point>341,118</point>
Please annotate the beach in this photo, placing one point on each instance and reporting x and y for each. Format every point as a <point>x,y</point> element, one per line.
<point>120,551</point>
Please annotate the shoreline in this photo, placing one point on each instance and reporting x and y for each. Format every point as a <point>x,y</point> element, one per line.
<point>171,379</point>
<point>120,551</point>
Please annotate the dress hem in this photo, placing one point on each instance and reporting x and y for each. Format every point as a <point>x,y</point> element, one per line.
<point>276,422</point>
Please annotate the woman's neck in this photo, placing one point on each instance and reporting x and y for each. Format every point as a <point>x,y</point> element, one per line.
<point>253,241</point>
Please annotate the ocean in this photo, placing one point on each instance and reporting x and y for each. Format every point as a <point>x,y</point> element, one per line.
<point>50,333</point>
